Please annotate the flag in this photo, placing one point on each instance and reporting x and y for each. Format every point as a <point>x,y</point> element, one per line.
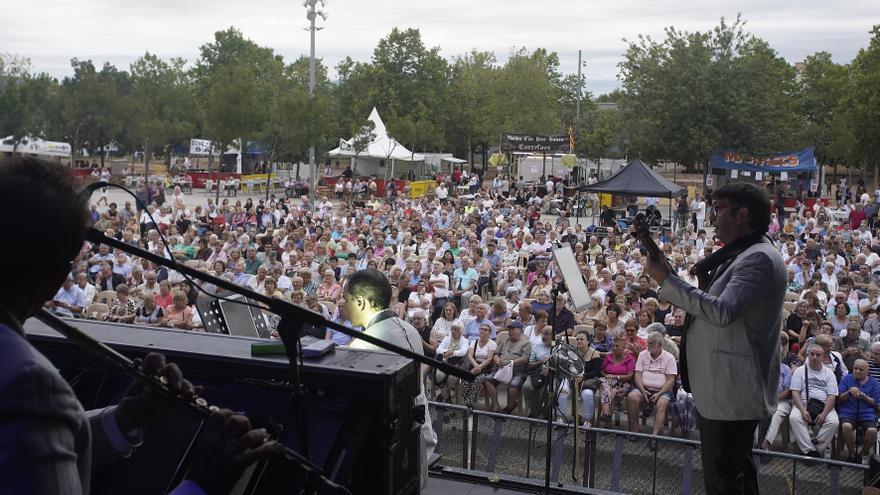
<point>571,139</point>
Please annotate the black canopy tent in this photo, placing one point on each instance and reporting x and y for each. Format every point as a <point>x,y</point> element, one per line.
<point>636,179</point>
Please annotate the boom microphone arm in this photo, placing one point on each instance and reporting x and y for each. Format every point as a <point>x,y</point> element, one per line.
<point>275,305</point>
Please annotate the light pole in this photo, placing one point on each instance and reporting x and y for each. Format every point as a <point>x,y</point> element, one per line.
<point>311,14</point>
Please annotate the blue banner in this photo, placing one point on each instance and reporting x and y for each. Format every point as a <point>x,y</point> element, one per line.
<point>795,161</point>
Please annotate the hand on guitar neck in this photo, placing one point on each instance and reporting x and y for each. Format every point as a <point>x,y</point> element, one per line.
<point>658,266</point>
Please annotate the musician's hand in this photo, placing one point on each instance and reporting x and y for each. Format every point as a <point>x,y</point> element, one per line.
<point>225,448</point>
<point>140,404</point>
<point>658,269</point>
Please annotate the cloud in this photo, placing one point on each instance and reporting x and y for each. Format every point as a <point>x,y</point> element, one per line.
<point>52,32</point>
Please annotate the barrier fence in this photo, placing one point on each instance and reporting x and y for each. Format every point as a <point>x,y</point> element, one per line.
<point>615,460</point>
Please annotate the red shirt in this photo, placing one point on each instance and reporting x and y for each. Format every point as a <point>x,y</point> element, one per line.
<point>856,217</point>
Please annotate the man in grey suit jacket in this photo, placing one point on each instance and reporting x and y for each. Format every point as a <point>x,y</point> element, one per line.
<point>48,443</point>
<point>730,351</point>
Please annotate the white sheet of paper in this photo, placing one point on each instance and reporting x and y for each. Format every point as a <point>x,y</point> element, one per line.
<point>783,176</point>
<point>734,174</point>
<point>759,175</point>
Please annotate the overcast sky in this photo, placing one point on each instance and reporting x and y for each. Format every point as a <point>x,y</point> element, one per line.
<point>51,32</point>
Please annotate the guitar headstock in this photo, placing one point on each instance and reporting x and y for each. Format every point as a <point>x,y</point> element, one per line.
<point>641,228</point>
<point>642,232</point>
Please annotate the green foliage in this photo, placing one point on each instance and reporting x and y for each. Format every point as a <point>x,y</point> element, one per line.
<point>863,103</point>
<point>682,97</point>
<point>694,93</point>
<point>161,105</point>
<point>93,109</point>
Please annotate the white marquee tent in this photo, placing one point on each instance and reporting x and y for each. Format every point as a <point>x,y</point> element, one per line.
<point>383,147</point>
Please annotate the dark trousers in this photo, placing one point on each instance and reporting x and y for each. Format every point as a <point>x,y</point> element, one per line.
<point>727,456</point>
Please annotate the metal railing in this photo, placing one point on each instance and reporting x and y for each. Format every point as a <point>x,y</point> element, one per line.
<point>615,460</point>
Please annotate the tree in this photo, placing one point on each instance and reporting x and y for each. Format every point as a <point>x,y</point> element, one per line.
<point>27,99</point>
<point>231,108</point>
<point>863,104</point>
<point>92,113</point>
<point>695,93</point>
<point>219,88</point>
<point>527,96</point>
<point>161,106</point>
<point>469,111</point>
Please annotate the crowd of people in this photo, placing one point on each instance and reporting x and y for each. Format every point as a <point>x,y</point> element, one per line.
<point>475,275</point>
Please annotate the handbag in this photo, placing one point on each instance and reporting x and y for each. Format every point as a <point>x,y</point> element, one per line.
<point>504,374</point>
<point>814,406</point>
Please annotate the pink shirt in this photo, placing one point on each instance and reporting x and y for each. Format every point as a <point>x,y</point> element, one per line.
<point>624,368</point>
<point>654,371</point>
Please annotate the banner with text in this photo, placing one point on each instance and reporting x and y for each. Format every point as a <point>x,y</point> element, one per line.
<point>795,161</point>
<point>199,147</point>
<point>529,143</point>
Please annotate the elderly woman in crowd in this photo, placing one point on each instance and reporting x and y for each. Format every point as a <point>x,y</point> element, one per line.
<point>479,362</point>
<point>178,315</point>
<point>149,313</point>
<point>618,369</point>
<point>452,350</point>
<point>123,308</point>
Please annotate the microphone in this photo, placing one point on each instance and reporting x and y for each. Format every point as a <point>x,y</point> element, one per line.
<point>86,192</point>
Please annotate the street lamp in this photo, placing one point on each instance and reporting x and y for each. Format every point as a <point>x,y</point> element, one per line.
<point>311,14</point>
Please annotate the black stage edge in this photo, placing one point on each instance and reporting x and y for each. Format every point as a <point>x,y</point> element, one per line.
<point>449,480</point>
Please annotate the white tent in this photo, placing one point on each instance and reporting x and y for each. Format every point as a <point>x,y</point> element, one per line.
<point>383,146</point>
<point>35,146</point>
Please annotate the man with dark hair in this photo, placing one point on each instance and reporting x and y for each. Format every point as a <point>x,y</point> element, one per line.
<point>50,444</point>
<point>730,350</point>
<point>367,297</point>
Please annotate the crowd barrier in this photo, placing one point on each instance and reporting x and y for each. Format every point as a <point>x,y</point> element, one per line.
<point>615,460</point>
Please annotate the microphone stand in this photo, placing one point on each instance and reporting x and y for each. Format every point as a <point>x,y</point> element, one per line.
<point>292,318</point>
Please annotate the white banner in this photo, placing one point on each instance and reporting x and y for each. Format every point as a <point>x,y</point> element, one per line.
<point>199,147</point>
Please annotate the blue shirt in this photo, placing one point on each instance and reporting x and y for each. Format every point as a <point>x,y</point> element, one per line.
<point>540,351</point>
<point>472,329</point>
<point>784,377</point>
<point>463,279</point>
<point>858,409</point>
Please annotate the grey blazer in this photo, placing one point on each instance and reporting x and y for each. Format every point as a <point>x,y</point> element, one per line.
<point>733,343</point>
<point>46,445</point>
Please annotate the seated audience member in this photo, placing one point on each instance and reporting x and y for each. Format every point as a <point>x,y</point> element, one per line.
<point>534,388</point>
<point>164,298</point>
<point>123,308</point>
<point>600,340</point>
<point>479,360</point>
<point>69,301</point>
<point>655,374</point>
<point>813,404</point>
<point>857,408</point>
<point>851,346</point>
<point>178,315</point>
<point>149,313</point>
<point>783,406</point>
<point>587,383</point>
<point>451,350</point>
<point>563,320</point>
<point>516,350</point>
<point>634,344</point>
<point>618,369</point>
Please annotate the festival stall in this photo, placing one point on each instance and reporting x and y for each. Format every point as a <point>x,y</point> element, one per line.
<point>799,169</point>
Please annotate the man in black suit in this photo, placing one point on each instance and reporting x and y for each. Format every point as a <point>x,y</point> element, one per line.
<point>106,279</point>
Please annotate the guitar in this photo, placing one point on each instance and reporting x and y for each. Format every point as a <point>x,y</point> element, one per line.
<point>642,232</point>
